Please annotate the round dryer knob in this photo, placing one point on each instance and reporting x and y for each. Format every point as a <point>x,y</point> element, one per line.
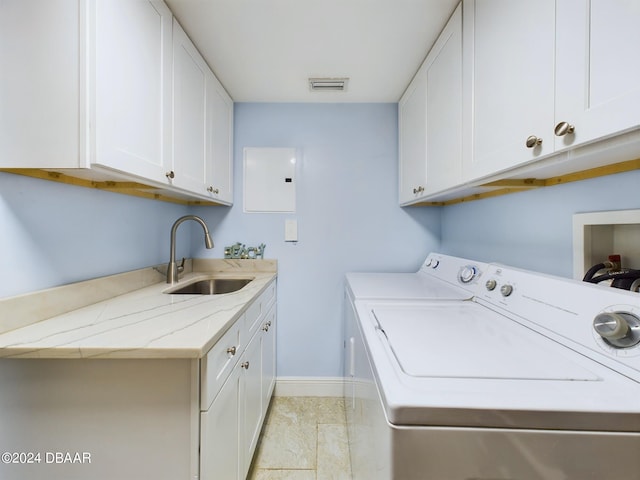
<point>491,284</point>
<point>506,290</point>
<point>619,329</point>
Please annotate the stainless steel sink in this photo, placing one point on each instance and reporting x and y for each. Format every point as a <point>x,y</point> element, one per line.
<point>211,286</point>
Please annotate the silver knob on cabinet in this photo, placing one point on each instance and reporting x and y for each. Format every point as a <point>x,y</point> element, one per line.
<point>419,189</point>
<point>213,190</point>
<point>231,351</point>
<point>491,284</point>
<point>619,329</point>
<point>563,128</point>
<point>533,141</point>
<point>170,174</point>
<point>506,290</point>
<point>245,365</point>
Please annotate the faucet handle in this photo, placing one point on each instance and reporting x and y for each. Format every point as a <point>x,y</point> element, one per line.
<point>181,266</point>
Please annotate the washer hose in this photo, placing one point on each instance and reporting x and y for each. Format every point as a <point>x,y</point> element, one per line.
<point>592,271</point>
<point>622,280</point>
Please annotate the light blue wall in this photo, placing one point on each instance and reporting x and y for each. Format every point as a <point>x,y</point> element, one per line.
<point>533,229</point>
<point>52,234</point>
<point>348,219</point>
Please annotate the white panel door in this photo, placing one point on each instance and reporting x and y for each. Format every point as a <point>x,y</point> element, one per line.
<point>250,402</point>
<point>509,50</point>
<point>189,101</point>
<point>219,142</point>
<point>132,90</point>
<point>39,84</point>
<point>598,71</point>
<point>268,356</point>
<point>444,108</point>
<point>412,133</point>
<point>220,440</point>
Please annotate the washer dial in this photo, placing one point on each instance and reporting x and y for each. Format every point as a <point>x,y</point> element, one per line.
<point>467,273</point>
<point>618,329</point>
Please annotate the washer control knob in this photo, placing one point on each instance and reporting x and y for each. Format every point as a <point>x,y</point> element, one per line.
<point>491,284</point>
<point>619,329</point>
<point>435,264</point>
<point>506,290</point>
<point>467,273</point>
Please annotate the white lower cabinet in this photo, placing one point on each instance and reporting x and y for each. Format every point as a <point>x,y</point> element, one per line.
<point>231,424</point>
<point>252,410</point>
<point>219,439</point>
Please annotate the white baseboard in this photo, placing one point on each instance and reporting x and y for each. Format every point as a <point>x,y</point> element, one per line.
<point>309,387</point>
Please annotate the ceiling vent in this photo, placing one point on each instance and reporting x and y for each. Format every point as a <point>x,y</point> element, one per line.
<point>328,84</point>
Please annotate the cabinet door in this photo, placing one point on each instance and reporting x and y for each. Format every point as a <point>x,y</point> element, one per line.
<point>509,82</point>
<point>219,439</point>
<point>132,86</point>
<point>190,73</point>
<point>219,142</point>
<point>250,402</point>
<point>598,68</point>
<point>444,108</point>
<point>39,84</point>
<point>412,132</point>
<point>268,357</point>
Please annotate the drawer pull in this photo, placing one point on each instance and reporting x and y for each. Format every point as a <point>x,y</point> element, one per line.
<point>231,351</point>
<point>266,326</point>
<point>245,365</point>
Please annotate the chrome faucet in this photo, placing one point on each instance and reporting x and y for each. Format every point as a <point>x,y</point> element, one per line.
<point>172,268</point>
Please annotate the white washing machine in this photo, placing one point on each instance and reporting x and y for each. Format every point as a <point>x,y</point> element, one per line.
<point>532,377</point>
<point>440,277</point>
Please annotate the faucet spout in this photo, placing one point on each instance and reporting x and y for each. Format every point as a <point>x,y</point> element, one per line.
<point>172,268</point>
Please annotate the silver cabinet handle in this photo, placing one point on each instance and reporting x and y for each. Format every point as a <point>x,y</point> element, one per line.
<point>213,190</point>
<point>231,351</point>
<point>419,189</point>
<point>533,141</point>
<point>245,365</point>
<point>170,174</point>
<point>563,128</point>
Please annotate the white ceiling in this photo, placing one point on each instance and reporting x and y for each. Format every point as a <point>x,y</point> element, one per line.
<point>265,50</point>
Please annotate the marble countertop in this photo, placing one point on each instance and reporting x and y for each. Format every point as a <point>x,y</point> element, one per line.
<point>135,320</point>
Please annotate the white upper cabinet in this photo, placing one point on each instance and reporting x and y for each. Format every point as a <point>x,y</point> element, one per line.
<point>509,83</point>
<point>543,76</point>
<point>430,119</point>
<point>444,108</point>
<point>112,90</point>
<point>190,74</point>
<point>412,128</point>
<point>598,68</point>
<point>132,86</point>
<point>202,124</point>
<point>219,144</point>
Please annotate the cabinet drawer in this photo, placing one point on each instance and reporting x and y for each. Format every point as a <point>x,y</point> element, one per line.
<point>256,311</point>
<point>218,363</point>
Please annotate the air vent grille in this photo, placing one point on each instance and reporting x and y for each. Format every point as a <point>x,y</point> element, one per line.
<point>328,84</point>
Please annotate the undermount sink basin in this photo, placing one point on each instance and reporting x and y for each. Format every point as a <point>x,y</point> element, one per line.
<point>211,286</point>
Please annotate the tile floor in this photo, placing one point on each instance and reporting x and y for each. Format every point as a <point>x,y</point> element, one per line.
<point>304,438</point>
